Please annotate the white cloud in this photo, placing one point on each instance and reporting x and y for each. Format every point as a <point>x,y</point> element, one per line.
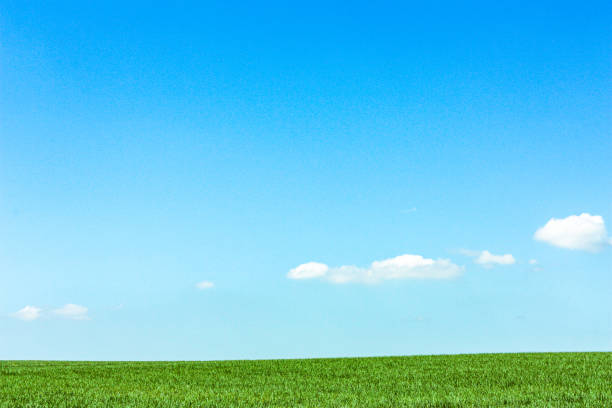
<point>533,262</point>
<point>204,285</point>
<point>584,232</point>
<point>487,259</point>
<point>28,313</point>
<point>308,271</point>
<point>72,311</point>
<point>400,267</point>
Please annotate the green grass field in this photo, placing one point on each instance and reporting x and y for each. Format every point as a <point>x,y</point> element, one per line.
<point>482,380</point>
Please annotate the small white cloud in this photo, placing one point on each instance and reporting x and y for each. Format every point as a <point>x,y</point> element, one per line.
<point>533,262</point>
<point>487,259</point>
<point>204,285</point>
<point>28,313</point>
<point>408,210</point>
<point>72,311</point>
<point>583,232</point>
<point>308,271</point>
<point>401,267</point>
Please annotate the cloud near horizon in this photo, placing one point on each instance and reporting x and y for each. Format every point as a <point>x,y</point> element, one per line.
<point>584,232</point>
<point>401,267</point>
<point>72,311</point>
<point>204,285</point>
<point>68,311</point>
<point>28,313</point>
<point>308,270</point>
<point>487,259</point>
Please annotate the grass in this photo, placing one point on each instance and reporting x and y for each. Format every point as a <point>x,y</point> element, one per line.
<point>481,380</point>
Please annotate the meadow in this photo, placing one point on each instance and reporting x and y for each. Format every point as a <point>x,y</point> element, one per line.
<point>480,380</point>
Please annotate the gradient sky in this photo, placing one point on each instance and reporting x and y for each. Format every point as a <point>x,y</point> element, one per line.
<point>146,148</point>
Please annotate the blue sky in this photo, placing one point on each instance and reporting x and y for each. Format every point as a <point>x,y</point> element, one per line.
<point>334,171</point>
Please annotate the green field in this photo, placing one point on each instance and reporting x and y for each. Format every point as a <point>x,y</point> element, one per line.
<point>481,380</point>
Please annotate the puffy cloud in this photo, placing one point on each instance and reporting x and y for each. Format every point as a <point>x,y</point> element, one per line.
<point>28,313</point>
<point>401,267</point>
<point>204,285</point>
<point>583,232</point>
<point>308,271</point>
<point>72,311</point>
<point>487,259</point>
<point>533,262</point>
